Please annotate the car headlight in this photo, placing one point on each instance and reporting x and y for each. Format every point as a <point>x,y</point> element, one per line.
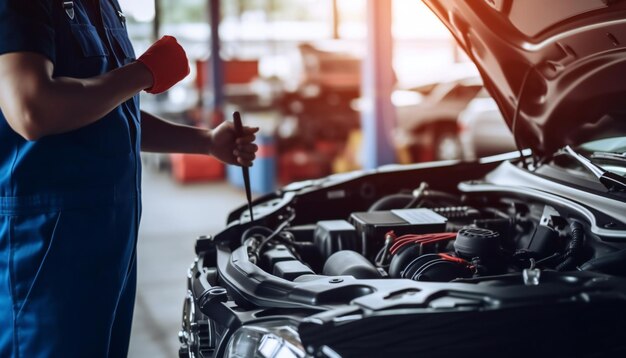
<point>275,339</point>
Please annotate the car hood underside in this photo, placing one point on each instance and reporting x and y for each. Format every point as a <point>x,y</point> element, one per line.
<point>555,68</point>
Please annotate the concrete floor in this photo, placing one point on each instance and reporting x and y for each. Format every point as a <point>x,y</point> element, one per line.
<point>174,216</point>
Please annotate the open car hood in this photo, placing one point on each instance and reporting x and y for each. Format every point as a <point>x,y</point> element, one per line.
<point>556,68</point>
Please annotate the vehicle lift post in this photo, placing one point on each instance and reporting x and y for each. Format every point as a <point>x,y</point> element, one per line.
<point>378,114</point>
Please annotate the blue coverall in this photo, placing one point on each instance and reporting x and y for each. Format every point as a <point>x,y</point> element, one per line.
<point>69,203</point>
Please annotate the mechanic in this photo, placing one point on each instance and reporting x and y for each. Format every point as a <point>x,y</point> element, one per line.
<point>70,136</point>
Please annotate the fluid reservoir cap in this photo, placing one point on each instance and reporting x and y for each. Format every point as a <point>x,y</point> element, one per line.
<point>476,242</point>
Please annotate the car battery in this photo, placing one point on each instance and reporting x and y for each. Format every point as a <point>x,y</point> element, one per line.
<point>372,226</point>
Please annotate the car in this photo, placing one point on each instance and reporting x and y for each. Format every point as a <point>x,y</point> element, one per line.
<point>482,129</point>
<point>516,255</point>
<point>427,127</point>
<point>316,108</point>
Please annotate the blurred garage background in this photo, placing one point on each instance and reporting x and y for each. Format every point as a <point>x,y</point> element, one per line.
<point>335,85</point>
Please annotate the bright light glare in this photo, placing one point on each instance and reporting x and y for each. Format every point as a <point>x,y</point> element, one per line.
<point>413,19</point>
<point>140,10</point>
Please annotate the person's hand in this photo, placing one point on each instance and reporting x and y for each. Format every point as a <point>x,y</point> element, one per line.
<point>168,63</point>
<point>226,147</point>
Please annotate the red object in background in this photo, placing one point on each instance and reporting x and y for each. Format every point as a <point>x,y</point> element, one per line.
<point>188,168</point>
<point>235,72</point>
<point>426,154</point>
<point>266,150</point>
<point>329,148</point>
<point>201,75</point>
<point>302,164</point>
<point>240,71</point>
<point>299,164</point>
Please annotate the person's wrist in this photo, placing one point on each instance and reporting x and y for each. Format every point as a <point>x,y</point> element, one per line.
<point>144,75</point>
<point>206,142</point>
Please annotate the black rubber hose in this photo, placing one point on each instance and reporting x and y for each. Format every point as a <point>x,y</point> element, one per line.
<point>612,264</point>
<point>567,264</point>
<point>574,248</point>
<point>436,194</point>
<point>400,201</point>
<point>395,201</point>
<point>255,230</point>
<point>276,232</point>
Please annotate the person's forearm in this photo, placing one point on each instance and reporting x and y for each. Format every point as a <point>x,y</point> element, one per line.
<point>161,136</point>
<point>37,105</point>
<point>74,103</point>
<point>222,142</point>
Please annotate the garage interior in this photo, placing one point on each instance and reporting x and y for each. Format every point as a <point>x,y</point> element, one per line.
<point>390,69</point>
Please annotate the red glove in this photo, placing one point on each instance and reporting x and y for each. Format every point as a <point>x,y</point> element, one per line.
<point>168,63</point>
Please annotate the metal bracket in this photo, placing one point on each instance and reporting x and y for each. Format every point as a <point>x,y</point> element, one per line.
<point>122,17</point>
<point>68,6</point>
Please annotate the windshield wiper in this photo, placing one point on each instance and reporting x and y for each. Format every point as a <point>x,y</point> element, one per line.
<point>610,180</point>
<point>618,157</point>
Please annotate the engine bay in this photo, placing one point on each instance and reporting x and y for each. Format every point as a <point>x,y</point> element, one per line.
<point>431,235</point>
<point>338,259</point>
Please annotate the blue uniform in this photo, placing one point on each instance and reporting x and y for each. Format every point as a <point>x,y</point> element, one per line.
<point>69,203</point>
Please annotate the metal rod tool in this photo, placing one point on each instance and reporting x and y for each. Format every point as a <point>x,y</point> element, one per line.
<point>246,172</point>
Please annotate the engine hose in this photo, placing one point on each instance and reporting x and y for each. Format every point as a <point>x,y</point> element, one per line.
<point>418,195</point>
<point>612,264</point>
<point>574,248</point>
<point>394,201</point>
<point>567,264</point>
<point>436,194</point>
<point>255,230</point>
<point>499,213</point>
<point>276,232</point>
<point>400,201</point>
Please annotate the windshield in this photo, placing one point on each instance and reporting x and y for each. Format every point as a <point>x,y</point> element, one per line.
<point>611,145</point>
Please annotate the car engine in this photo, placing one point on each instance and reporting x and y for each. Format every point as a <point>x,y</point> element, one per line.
<point>328,263</point>
<point>427,235</point>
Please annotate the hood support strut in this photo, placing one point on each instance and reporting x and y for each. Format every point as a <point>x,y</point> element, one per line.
<point>518,141</point>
